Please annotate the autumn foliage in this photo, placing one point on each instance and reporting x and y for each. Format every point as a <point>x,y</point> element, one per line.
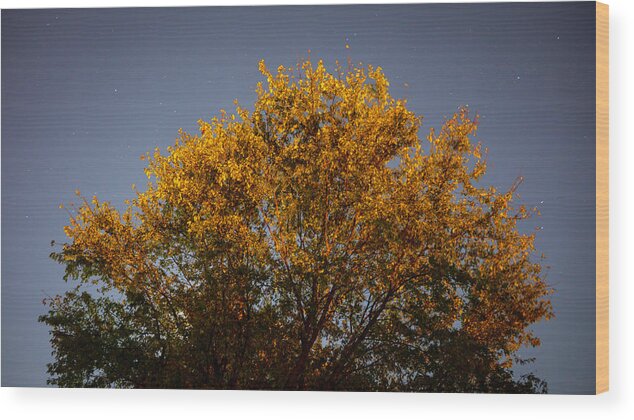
<point>314,242</point>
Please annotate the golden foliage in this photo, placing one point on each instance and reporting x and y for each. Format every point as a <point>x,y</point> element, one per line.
<point>299,244</point>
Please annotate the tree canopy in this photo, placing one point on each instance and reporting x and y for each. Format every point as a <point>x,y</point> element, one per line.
<point>314,242</point>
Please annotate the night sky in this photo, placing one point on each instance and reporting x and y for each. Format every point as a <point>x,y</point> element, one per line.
<point>86,92</point>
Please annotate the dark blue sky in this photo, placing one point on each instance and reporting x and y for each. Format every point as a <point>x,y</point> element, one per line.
<point>86,92</point>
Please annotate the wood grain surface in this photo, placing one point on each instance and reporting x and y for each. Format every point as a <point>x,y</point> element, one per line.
<point>602,210</point>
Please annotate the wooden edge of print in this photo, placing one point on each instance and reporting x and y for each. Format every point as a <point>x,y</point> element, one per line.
<point>602,198</point>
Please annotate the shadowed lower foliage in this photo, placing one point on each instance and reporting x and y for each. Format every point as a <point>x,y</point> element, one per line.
<point>313,243</point>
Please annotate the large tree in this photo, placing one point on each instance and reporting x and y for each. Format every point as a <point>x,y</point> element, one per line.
<point>312,243</point>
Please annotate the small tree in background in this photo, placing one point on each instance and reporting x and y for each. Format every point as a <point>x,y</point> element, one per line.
<point>313,243</point>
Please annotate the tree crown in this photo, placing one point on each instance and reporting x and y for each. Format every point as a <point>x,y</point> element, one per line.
<point>314,242</point>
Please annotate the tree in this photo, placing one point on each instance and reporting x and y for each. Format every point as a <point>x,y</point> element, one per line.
<point>313,243</point>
